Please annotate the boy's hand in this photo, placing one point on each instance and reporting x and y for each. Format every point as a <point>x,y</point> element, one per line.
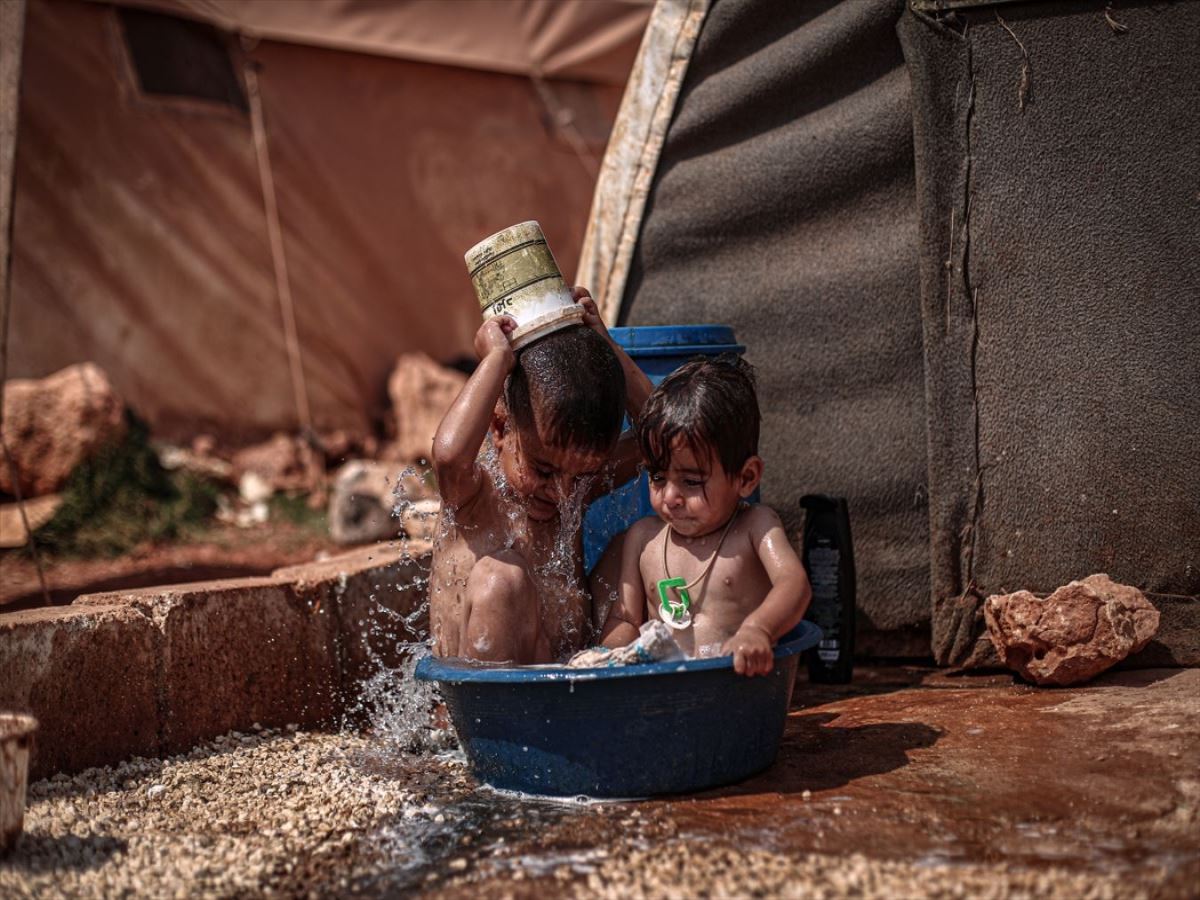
<point>752,650</point>
<point>492,337</point>
<point>591,313</point>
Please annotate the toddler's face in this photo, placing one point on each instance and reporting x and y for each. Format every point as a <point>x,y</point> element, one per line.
<point>695,495</point>
<point>541,473</point>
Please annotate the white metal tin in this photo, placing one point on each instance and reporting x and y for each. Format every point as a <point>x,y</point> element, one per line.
<point>515,274</point>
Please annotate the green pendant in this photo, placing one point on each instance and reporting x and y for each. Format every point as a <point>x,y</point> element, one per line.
<point>674,608</point>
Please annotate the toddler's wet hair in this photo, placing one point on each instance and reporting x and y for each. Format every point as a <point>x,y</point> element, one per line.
<point>573,380</point>
<point>708,403</point>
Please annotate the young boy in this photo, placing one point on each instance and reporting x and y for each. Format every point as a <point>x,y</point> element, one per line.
<point>717,570</point>
<point>506,583</point>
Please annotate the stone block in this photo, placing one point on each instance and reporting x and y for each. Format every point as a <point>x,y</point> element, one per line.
<point>53,424</point>
<point>421,391</point>
<point>237,652</point>
<point>88,674</point>
<point>373,501</point>
<point>379,597</point>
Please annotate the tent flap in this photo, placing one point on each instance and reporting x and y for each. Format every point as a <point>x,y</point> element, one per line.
<point>1056,166</point>
<point>783,205</point>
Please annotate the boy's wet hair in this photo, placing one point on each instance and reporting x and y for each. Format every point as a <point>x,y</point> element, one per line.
<point>708,403</point>
<point>574,380</point>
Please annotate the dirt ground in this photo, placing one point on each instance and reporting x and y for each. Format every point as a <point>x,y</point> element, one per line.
<point>219,551</point>
<point>908,783</point>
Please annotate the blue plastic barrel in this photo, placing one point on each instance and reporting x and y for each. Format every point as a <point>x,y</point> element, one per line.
<point>658,350</point>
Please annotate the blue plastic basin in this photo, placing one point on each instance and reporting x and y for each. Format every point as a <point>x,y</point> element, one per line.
<point>631,731</point>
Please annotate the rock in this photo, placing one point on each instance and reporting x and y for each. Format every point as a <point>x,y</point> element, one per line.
<point>53,424</point>
<point>204,445</point>
<point>253,488</point>
<point>421,391</point>
<point>285,463</point>
<point>370,501</point>
<point>1074,634</point>
<point>340,445</point>
<point>202,464</point>
<point>38,511</point>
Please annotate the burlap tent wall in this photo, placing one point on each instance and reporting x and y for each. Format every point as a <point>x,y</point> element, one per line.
<point>1058,177</point>
<point>989,345</point>
<point>398,134</point>
<point>782,204</point>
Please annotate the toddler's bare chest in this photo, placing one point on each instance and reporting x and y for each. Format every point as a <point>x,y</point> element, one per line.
<point>730,585</point>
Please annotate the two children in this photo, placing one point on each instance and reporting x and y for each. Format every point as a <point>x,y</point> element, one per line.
<point>507,579</point>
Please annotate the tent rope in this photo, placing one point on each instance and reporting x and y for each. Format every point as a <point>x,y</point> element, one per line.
<point>283,290</point>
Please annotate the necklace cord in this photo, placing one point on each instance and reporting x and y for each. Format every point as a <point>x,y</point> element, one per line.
<point>711,560</point>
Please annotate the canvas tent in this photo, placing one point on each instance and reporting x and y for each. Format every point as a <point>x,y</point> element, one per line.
<point>244,210</point>
<point>959,239</point>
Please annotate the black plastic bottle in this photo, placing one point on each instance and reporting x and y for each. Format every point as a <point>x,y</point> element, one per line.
<point>829,560</point>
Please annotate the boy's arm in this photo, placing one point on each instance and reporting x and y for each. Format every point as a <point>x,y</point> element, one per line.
<point>629,612</point>
<point>626,457</point>
<point>782,608</point>
<point>463,428</point>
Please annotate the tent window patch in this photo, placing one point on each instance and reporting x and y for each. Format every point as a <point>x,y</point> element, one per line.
<point>179,58</point>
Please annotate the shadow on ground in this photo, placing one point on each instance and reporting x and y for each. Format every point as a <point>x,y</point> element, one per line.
<point>37,853</point>
<point>817,755</point>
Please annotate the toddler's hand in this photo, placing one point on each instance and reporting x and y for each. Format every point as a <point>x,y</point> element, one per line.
<point>591,313</point>
<point>492,337</point>
<point>752,651</point>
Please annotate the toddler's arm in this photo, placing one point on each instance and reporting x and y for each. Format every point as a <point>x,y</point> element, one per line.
<point>463,428</point>
<point>782,608</point>
<point>629,611</point>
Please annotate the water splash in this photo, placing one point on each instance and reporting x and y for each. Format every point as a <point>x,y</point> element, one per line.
<point>412,741</point>
<point>405,714</point>
<point>564,556</point>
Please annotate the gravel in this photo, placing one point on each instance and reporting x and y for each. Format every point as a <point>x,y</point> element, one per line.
<point>294,814</point>
<point>276,812</point>
<point>683,870</point>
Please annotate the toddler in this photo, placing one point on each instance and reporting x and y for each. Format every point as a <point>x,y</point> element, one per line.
<point>717,570</point>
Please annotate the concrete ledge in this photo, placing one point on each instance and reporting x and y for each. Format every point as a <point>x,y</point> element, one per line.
<point>236,652</point>
<point>89,675</point>
<point>157,670</point>
<point>378,596</point>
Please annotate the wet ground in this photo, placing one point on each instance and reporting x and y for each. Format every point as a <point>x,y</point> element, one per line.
<point>908,783</point>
